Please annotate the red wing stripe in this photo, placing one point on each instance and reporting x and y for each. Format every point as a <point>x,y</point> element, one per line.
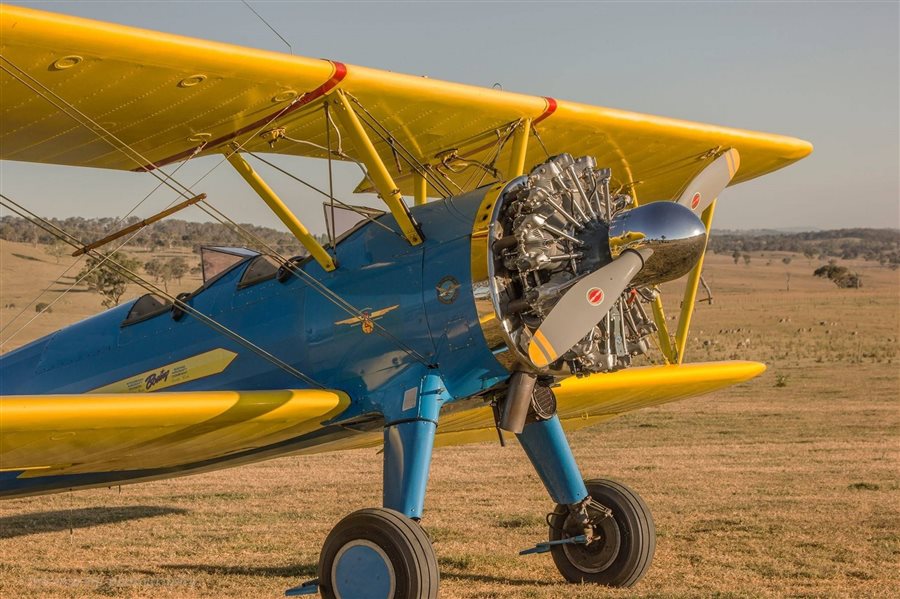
<point>340,71</point>
<point>551,108</point>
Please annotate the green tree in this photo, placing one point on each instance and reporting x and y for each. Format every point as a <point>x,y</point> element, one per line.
<point>154,268</point>
<point>106,279</point>
<point>177,267</point>
<point>159,270</point>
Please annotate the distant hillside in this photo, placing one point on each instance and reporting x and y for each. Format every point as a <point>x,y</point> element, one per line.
<point>168,233</point>
<point>877,245</point>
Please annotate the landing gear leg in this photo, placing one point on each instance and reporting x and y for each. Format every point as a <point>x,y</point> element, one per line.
<point>601,531</point>
<point>383,553</point>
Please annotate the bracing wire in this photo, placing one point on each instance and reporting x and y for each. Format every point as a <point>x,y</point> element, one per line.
<point>78,261</point>
<point>331,232</point>
<point>207,207</point>
<point>325,194</point>
<point>266,23</point>
<point>152,288</point>
<point>387,137</point>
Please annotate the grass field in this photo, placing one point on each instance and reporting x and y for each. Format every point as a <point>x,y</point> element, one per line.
<point>787,486</point>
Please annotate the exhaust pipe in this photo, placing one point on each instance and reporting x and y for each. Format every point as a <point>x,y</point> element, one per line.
<point>517,402</point>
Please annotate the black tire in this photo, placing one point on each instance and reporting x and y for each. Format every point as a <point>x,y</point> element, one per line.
<point>623,553</point>
<point>402,541</point>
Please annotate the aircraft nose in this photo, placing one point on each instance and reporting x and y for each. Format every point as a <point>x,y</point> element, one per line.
<point>673,234</point>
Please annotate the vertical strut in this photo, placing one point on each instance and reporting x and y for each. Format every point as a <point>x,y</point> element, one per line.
<point>690,291</point>
<point>379,173</point>
<point>420,188</point>
<point>519,149</point>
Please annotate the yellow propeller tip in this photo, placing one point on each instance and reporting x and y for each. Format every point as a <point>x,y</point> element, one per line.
<point>536,355</point>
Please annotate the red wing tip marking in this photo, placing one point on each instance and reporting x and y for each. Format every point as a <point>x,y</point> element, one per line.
<point>551,108</point>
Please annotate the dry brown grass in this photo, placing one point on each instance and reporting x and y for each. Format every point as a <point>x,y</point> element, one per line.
<point>759,490</point>
<point>26,270</point>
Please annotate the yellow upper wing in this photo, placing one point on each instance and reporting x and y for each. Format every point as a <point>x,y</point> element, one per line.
<point>69,434</point>
<point>82,92</point>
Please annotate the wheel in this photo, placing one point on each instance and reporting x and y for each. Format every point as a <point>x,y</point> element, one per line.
<point>624,543</point>
<point>378,553</point>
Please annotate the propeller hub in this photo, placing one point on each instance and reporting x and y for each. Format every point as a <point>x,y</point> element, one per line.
<point>673,234</point>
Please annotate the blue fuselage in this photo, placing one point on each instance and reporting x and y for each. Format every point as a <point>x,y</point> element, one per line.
<point>430,326</point>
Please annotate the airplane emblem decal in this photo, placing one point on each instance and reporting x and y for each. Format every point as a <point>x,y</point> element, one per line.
<point>526,253</point>
<point>367,318</point>
<point>447,289</point>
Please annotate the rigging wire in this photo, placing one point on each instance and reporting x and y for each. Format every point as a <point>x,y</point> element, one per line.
<point>325,194</point>
<point>152,288</point>
<point>290,48</point>
<point>205,205</point>
<point>339,153</point>
<point>537,136</point>
<point>495,153</point>
<point>78,260</point>
<point>385,135</point>
<point>331,233</point>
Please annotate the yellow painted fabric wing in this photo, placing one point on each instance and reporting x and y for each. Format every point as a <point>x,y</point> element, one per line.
<point>68,434</point>
<point>593,399</point>
<point>87,93</point>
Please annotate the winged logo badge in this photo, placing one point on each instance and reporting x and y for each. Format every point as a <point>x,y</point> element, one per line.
<point>367,318</point>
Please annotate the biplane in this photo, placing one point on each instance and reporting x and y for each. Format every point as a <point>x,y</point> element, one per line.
<point>509,285</point>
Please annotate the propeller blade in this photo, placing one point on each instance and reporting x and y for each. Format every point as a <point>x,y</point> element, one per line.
<point>582,307</point>
<point>707,186</point>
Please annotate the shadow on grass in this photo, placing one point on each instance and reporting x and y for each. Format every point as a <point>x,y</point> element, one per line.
<point>58,520</point>
<point>289,571</point>
<point>309,571</point>
<point>515,582</point>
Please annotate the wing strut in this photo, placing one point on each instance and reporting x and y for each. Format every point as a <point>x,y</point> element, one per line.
<point>665,340</point>
<point>420,187</point>
<point>690,291</point>
<point>280,209</point>
<point>381,176</point>
<point>519,149</point>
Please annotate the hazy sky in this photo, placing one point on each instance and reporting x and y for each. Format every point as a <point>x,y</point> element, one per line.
<point>827,72</point>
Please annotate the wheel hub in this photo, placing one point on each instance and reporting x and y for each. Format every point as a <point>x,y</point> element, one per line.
<point>362,570</point>
<point>600,553</point>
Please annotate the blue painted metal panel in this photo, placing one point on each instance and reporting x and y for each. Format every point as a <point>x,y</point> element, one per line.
<point>546,446</point>
<point>408,441</point>
<point>407,459</point>
<point>295,321</point>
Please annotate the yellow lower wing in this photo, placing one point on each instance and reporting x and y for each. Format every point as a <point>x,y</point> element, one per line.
<point>586,401</point>
<point>69,434</point>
